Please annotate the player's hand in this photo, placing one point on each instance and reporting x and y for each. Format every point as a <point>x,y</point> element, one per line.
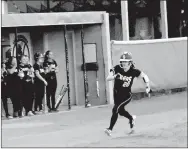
<point>32,69</point>
<point>21,74</point>
<point>118,76</point>
<point>148,89</point>
<point>45,83</point>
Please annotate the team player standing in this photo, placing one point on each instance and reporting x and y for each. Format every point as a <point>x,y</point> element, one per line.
<point>25,84</point>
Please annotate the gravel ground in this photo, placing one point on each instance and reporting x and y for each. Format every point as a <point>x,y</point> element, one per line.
<point>161,122</point>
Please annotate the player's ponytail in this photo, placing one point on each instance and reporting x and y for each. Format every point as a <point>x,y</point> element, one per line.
<point>132,65</point>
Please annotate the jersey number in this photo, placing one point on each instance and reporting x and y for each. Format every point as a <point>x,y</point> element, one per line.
<point>127,81</point>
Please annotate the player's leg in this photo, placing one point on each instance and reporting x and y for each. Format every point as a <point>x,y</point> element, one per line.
<point>20,97</point>
<point>53,91</point>
<point>5,106</point>
<point>36,102</point>
<point>41,96</point>
<point>123,112</point>
<point>53,100</point>
<point>48,96</point>
<point>113,120</point>
<point>30,98</point>
<point>126,114</point>
<point>4,98</point>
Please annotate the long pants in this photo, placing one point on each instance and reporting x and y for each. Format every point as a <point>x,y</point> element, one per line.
<point>15,91</point>
<point>39,95</point>
<point>28,95</point>
<point>5,105</point>
<point>4,97</point>
<point>119,108</point>
<point>50,93</point>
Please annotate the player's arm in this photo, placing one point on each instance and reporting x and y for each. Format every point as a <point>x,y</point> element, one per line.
<point>40,77</point>
<point>13,69</point>
<point>46,67</point>
<point>31,72</point>
<point>112,75</point>
<point>146,81</point>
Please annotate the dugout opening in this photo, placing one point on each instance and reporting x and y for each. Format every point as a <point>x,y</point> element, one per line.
<point>67,39</point>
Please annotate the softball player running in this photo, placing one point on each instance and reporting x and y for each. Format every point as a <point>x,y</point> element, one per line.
<point>123,76</point>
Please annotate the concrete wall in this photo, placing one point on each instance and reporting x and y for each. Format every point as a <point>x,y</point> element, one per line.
<point>37,40</point>
<point>165,61</point>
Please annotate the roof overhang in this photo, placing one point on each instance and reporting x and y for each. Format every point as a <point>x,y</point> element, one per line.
<point>47,19</point>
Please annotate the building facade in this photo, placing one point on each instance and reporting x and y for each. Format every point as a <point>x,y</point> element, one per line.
<point>124,20</point>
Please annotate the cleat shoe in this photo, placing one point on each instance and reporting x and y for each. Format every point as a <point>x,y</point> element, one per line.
<point>9,117</point>
<point>30,113</point>
<point>15,114</point>
<point>108,131</point>
<point>55,110</point>
<point>20,114</point>
<point>88,105</point>
<point>132,122</point>
<point>34,112</point>
<point>41,111</point>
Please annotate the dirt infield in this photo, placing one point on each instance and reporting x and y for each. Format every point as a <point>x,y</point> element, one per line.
<point>161,122</point>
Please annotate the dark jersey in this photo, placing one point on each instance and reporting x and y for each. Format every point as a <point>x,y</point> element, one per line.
<point>14,74</point>
<point>123,82</point>
<point>51,66</point>
<point>4,91</point>
<point>40,69</point>
<point>27,72</point>
<point>3,77</point>
<point>13,85</point>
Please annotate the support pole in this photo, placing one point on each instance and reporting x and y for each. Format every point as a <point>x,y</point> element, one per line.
<point>125,19</point>
<point>4,7</point>
<point>84,68</point>
<point>67,65</point>
<point>164,20</point>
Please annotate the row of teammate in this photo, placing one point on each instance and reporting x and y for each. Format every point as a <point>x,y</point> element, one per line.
<point>24,84</point>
